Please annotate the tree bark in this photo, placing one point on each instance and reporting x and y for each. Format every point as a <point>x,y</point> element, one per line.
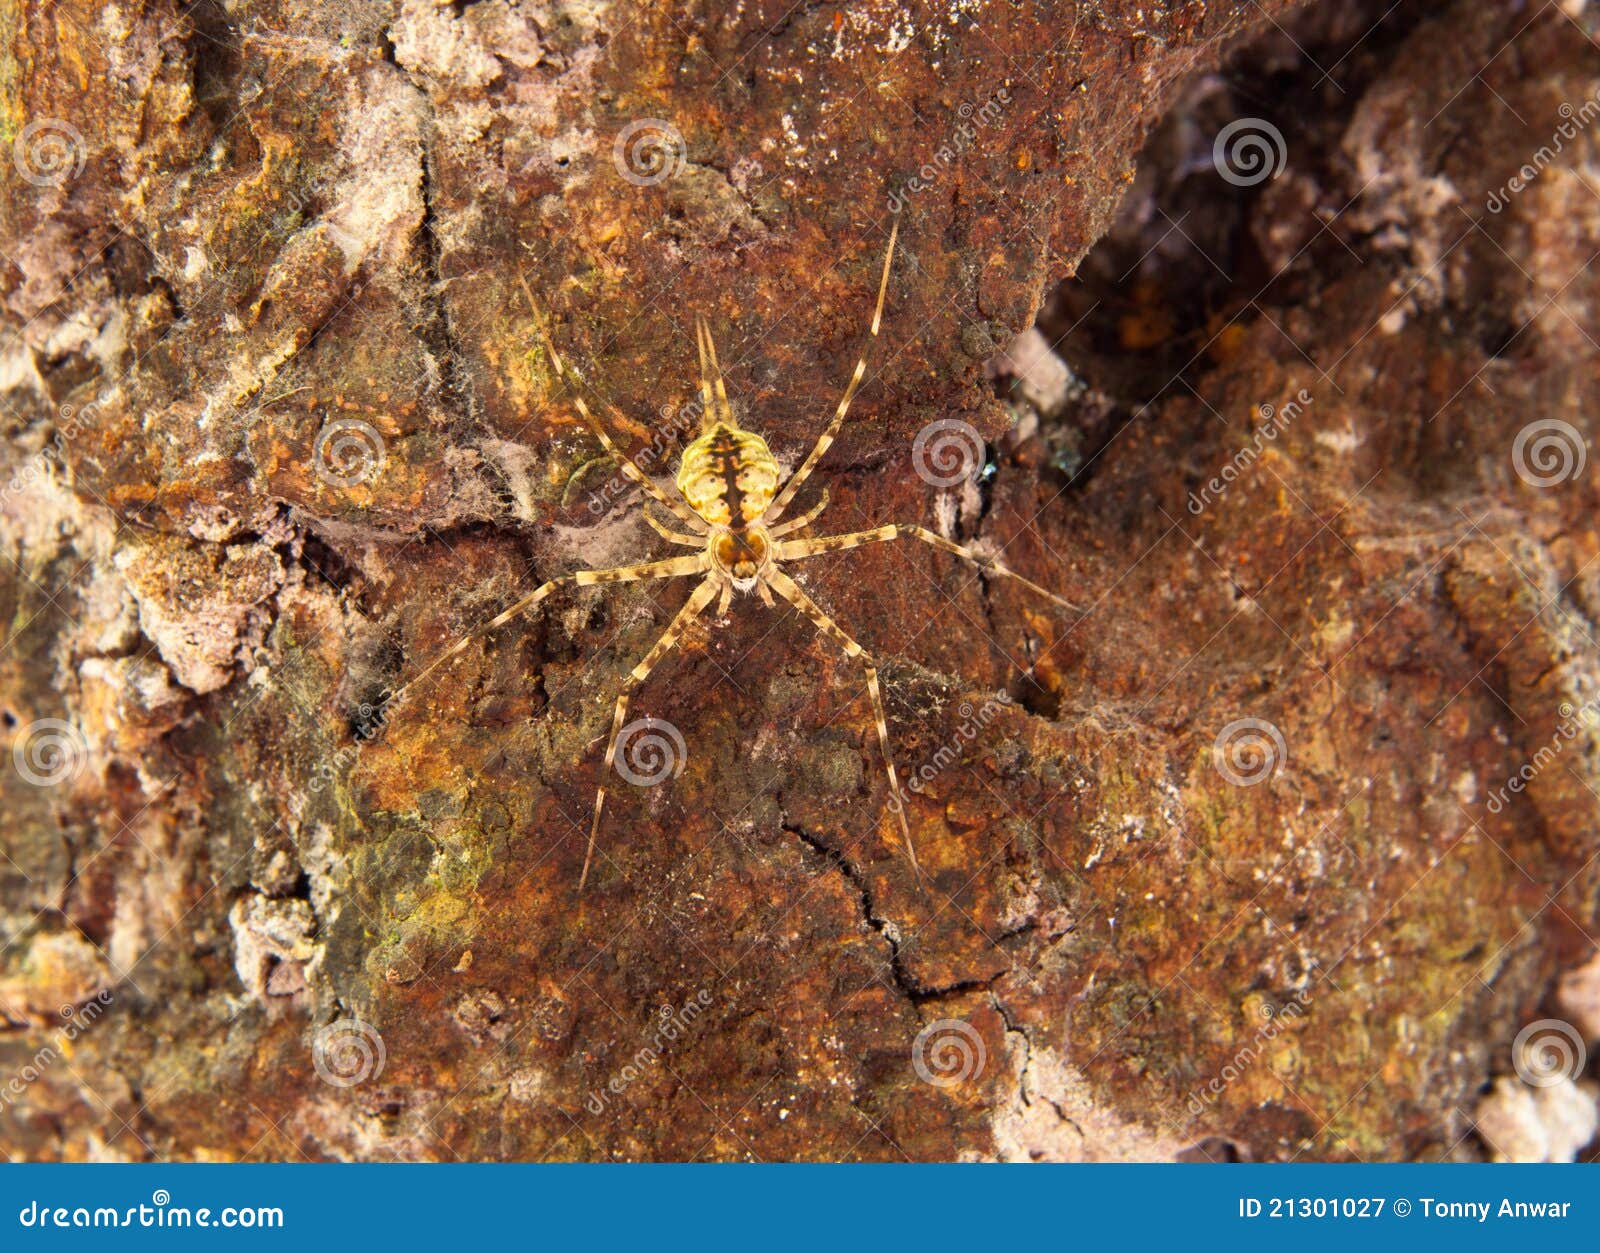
<point>1268,849</point>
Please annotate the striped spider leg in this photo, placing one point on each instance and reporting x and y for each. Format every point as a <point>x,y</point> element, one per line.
<point>795,550</point>
<point>791,592</point>
<point>692,609</point>
<point>671,567</point>
<point>629,468</point>
<point>799,549</point>
<point>825,440</point>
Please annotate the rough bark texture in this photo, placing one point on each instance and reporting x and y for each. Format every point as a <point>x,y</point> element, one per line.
<point>279,428</point>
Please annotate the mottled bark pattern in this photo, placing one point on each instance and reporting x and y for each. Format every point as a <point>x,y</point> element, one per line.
<point>279,428</point>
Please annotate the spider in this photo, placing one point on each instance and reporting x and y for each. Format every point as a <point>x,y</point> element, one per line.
<point>732,502</point>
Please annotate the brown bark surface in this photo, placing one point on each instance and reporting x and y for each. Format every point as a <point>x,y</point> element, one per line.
<point>1269,849</point>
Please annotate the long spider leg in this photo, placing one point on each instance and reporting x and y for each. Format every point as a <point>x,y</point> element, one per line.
<point>709,354</point>
<point>803,521</point>
<point>677,537</point>
<point>627,464</point>
<point>825,440</point>
<point>708,405</point>
<point>670,568</point>
<point>794,550</point>
<point>692,608</point>
<point>791,592</point>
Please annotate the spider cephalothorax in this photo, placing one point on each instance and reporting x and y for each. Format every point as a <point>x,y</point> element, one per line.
<point>741,555</point>
<point>730,498</point>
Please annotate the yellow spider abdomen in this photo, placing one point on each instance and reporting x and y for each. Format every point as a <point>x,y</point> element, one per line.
<point>728,476</point>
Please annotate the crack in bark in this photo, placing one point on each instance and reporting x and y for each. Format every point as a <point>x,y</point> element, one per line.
<point>863,893</point>
<point>438,333</point>
<point>916,993</point>
<point>1027,1047</point>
